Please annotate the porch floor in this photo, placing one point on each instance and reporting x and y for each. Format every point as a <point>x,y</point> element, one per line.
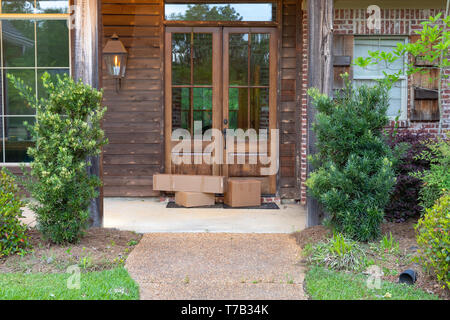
<point>145,215</point>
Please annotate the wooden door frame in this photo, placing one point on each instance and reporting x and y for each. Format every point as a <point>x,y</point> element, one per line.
<point>220,85</point>
<point>216,86</point>
<point>273,83</point>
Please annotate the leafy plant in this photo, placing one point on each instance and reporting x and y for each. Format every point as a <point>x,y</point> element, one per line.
<point>436,180</point>
<point>67,131</point>
<point>353,173</point>
<point>404,203</point>
<point>13,238</point>
<point>338,253</point>
<point>433,237</point>
<point>389,245</point>
<point>432,47</point>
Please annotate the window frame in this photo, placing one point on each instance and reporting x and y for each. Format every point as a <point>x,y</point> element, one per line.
<point>221,23</point>
<point>403,79</point>
<point>36,17</point>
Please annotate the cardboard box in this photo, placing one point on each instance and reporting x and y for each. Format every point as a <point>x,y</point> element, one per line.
<point>194,199</point>
<point>243,193</point>
<point>189,183</point>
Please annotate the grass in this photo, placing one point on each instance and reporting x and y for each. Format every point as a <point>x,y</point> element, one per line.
<point>114,284</point>
<point>324,284</point>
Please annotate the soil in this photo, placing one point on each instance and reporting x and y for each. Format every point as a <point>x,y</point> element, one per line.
<point>392,264</point>
<point>311,235</point>
<point>99,249</point>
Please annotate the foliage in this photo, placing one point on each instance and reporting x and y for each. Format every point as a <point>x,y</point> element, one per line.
<point>434,239</point>
<point>324,284</point>
<point>13,238</point>
<point>206,12</point>
<point>338,253</point>
<point>436,180</point>
<point>404,201</point>
<point>353,167</point>
<point>67,132</point>
<point>389,245</point>
<point>432,47</point>
<point>113,284</point>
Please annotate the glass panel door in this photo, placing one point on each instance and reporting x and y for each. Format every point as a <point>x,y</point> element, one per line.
<point>249,99</point>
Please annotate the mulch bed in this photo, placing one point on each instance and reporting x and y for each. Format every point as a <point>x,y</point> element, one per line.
<point>405,234</point>
<point>99,249</point>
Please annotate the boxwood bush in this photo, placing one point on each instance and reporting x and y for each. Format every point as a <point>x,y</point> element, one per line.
<point>13,238</point>
<point>433,237</point>
<point>353,171</point>
<point>67,132</point>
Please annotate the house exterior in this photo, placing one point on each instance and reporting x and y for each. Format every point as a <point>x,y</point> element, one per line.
<point>248,68</point>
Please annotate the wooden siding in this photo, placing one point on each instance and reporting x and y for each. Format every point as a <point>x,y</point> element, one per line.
<point>289,109</point>
<point>133,122</point>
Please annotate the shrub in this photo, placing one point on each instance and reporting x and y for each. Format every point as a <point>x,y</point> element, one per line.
<point>433,237</point>
<point>436,180</point>
<point>404,201</point>
<point>67,131</point>
<point>353,173</point>
<point>338,253</point>
<point>12,231</point>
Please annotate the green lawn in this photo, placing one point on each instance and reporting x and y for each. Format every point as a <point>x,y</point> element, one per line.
<point>324,284</point>
<point>113,284</point>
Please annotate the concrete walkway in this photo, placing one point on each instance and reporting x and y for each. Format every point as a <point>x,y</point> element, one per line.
<point>217,266</point>
<point>150,215</point>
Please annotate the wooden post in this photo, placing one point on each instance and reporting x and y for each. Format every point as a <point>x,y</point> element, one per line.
<point>320,68</point>
<point>86,68</point>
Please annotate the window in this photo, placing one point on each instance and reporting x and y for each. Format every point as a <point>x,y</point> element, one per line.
<point>398,93</point>
<point>34,38</point>
<point>220,12</point>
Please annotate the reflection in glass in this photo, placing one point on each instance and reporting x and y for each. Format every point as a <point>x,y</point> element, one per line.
<point>238,61</point>
<point>238,108</point>
<point>181,114</point>
<point>18,43</point>
<point>202,58</point>
<point>259,59</point>
<point>52,43</point>
<point>53,75</point>
<point>259,108</point>
<point>203,107</point>
<point>17,6</point>
<point>52,6</point>
<point>221,12</point>
<point>18,139</point>
<point>14,103</point>
<point>181,58</point>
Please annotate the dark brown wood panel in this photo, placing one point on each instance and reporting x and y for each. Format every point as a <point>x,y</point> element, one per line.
<point>133,122</point>
<point>288,123</point>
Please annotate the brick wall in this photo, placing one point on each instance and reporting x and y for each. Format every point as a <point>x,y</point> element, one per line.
<point>393,22</point>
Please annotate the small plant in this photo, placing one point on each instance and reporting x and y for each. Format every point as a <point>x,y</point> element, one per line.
<point>389,245</point>
<point>436,180</point>
<point>339,253</point>
<point>132,243</point>
<point>13,238</point>
<point>186,280</point>
<point>67,132</point>
<point>433,237</point>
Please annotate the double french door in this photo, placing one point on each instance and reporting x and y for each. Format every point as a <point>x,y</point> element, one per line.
<point>220,78</point>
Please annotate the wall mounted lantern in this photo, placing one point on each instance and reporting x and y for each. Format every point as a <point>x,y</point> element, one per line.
<point>115,56</point>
